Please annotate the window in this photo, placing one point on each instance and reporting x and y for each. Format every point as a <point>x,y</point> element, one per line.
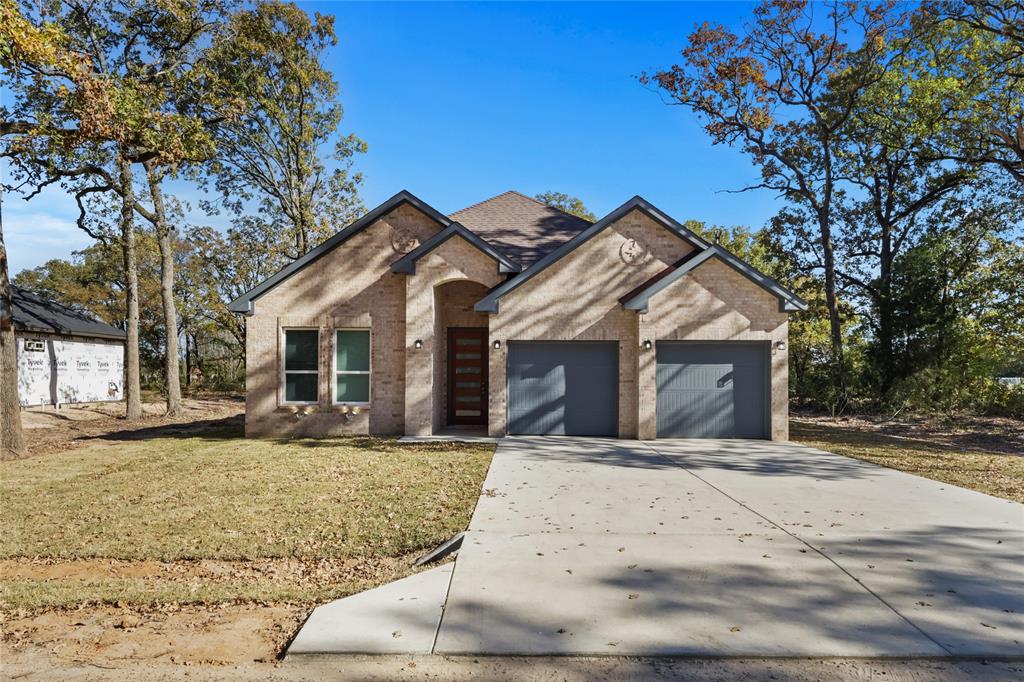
<point>301,363</point>
<point>352,366</point>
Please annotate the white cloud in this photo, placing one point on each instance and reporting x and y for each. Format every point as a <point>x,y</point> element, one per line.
<point>41,229</point>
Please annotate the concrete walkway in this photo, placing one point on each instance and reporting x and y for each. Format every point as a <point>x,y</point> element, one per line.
<point>725,548</point>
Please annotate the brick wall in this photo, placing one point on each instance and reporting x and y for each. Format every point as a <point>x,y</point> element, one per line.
<point>351,286</point>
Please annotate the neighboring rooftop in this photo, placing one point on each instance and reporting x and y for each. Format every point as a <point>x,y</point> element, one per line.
<point>33,313</point>
<point>522,227</point>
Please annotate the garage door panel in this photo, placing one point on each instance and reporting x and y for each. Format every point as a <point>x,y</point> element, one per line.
<point>698,414</point>
<point>712,390</point>
<point>563,388</point>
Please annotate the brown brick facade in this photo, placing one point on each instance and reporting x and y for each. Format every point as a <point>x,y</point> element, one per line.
<point>578,298</point>
<point>351,286</point>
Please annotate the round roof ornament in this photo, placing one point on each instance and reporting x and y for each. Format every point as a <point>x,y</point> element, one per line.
<point>633,253</point>
<point>403,240</point>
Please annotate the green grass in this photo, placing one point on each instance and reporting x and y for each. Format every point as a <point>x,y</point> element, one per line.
<point>364,502</point>
<point>993,473</point>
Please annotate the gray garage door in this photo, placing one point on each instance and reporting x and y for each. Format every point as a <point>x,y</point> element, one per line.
<point>563,388</point>
<point>712,390</point>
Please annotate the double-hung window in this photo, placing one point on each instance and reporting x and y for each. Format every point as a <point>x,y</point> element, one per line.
<point>301,365</point>
<point>352,366</point>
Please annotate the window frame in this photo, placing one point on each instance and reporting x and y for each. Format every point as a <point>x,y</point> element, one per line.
<point>285,372</point>
<point>335,371</point>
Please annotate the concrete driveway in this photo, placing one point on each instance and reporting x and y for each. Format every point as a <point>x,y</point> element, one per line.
<point>729,548</point>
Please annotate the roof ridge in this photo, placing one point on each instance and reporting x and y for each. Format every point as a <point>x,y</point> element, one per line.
<point>484,201</point>
<point>553,208</point>
<point>524,196</point>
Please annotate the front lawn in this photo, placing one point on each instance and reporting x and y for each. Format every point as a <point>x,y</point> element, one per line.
<point>207,516</point>
<point>994,473</point>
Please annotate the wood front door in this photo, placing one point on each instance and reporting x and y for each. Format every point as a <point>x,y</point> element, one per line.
<point>467,375</point>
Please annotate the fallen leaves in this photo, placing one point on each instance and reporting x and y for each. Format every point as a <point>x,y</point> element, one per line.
<point>984,454</point>
<point>224,518</point>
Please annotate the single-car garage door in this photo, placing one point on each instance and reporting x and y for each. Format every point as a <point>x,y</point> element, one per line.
<point>712,390</point>
<point>568,388</point>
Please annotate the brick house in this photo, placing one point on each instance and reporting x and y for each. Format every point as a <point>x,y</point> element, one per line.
<point>512,317</point>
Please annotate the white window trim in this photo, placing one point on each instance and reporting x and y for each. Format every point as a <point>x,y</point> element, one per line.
<point>335,372</point>
<point>284,373</point>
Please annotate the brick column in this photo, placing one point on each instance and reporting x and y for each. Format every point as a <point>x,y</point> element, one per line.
<point>419,362</point>
<point>496,379</point>
<point>647,417</point>
<point>780,384</point>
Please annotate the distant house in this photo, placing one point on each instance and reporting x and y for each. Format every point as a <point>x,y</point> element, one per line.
<point>512,317</point>
<point>64,355</point>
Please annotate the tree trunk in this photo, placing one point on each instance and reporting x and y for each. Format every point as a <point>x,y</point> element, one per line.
<point>188,361</point>
<point>132,384</point>
<point>885,340</point>
<point>12,437</point>
<point>163,233</point>
<point>831,301</point>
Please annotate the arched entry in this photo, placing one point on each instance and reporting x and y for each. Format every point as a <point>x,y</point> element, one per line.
<point>460,361</point>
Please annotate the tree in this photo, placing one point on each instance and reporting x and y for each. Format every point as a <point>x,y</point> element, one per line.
<point>958,302</point>
<point>43,48</point>
<point>891,187</point>
<point>271,153</point>
<point>966,77</point>
<point>154,177</point>
<point>784,91</point>
<point>567,204</point>
<point>12,438</point>
<point>88,136</point>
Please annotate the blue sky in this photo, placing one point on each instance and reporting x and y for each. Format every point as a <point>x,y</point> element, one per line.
<point>461,101</point>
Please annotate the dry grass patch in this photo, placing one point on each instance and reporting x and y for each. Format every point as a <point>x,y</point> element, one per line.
<point>994,473</point>
<point>211,517</point>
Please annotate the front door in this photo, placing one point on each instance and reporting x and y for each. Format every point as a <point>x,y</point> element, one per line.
<point>467,375</point>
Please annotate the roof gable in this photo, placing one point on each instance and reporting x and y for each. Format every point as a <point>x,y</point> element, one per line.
<point>640,299</point>
<point>490,302</point>
<point>244,303</point>
<point>521,226</point>
<point>407,263</point>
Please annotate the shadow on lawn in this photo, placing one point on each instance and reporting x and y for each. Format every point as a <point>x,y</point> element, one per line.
<point>233,428</point>
<point>385,444</point>
<point>226,428</point>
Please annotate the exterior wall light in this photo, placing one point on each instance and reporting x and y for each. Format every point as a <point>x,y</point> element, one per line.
<point>647,344</point>
<point>417,344</point>
<point>496,345</point>
<point>780,345</point>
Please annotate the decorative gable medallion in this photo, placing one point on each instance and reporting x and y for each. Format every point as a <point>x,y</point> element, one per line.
<point>403,240</point>
<point>633,253</point>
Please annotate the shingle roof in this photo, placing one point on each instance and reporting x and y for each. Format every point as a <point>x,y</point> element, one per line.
<point>522,227</point>
<point>36,314</point>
